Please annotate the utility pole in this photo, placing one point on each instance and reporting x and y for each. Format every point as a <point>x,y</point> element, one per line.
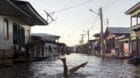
<point>82,39</point>
<point>81,43</point>
<point>88,45</point>
<point>101,34</point>
<point>88,35</point>
<point>107,21</point>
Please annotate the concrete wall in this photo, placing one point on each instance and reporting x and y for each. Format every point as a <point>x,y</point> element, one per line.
<point>8,43</point>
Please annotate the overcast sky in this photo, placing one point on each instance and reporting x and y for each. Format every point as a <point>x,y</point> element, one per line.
<point>73,17</point>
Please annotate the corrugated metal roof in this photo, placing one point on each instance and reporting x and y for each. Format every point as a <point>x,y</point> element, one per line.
<point>44,36</point>
<point>119,30</point>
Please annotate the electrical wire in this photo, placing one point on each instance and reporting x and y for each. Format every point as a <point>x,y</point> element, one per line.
<point>106,5</point>
<point>94,21</point>
<point>109,4</point>
<point>74,6</point>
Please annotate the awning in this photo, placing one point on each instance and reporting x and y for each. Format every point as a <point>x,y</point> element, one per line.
<point>123,40</point>
<point>9,9</point>
<point>135,27</point>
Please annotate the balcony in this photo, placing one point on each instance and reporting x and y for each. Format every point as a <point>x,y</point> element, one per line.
<point>135,27</point>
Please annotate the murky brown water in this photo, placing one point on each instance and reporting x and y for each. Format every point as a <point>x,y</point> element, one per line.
<point>96,68</point>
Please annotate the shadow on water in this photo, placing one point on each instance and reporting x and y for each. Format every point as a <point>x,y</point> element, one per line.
<point>61,75</point>
<point>73,75</point>
<point>137,72</point>
<point>16,71</point>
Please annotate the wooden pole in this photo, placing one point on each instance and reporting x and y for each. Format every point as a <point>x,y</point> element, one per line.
<point>101,33</point>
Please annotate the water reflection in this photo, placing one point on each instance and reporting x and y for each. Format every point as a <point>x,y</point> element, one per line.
<point>137,72</point>
<point>96,68</point>
<point>16,71</point>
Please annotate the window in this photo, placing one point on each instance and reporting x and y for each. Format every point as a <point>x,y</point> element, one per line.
<point>18,34</point>
<point>6,29</point>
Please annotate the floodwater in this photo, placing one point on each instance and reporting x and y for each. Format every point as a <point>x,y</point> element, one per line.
<point>53,68</point>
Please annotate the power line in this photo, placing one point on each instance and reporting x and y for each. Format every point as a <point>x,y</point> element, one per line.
<point>94,21</point>
<point>109,4</point>
<point>82,3</point>
<point>104,4</point>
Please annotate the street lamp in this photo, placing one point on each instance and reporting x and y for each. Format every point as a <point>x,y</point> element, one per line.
<point>94,11</point>
<point>101,19</point>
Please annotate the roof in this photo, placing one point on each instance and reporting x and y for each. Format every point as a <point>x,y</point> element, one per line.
<point>45,37</point>
<point>116,30</point>
<point>23,10</point>
<point>133,8</point>
<point>94,40</point>
<point>9,9</point>
<point>61,44</point>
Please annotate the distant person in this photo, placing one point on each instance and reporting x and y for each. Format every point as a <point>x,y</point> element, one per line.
<point>15,49</point>
<point>50,48</point>
<point>97,48</point>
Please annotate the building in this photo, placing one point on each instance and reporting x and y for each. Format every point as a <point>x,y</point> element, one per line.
<point>63,48</point>
<point>115,39</point>
<point>96,44</point>
<point>93,45</point>
<point>16,19</point>
<point>134,13</point>
<point>46,45</point>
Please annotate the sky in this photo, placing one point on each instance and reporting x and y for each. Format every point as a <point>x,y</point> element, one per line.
<point>73,18</point>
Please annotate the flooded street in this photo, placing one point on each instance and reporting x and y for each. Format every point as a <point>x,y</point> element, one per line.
<point>96,68</point>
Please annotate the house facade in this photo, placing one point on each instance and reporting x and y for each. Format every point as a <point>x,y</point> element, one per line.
<point>93,45</point>
<point>115,40</point>
<point>16,19</point>
<point>123,45</point>
<point>134,13</point>
<point>47,45</point>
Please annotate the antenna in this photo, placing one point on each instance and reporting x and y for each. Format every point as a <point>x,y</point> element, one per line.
<point>50,17</point>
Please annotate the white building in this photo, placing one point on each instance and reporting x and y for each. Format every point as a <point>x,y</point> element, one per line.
<point>47,46</point>
<point>16,19</point>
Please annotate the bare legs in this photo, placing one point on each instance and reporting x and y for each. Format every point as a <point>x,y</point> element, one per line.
<point>72,70</point>
<point>65,66</point>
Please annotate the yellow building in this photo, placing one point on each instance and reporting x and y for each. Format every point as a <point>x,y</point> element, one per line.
<point>134,13</point>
